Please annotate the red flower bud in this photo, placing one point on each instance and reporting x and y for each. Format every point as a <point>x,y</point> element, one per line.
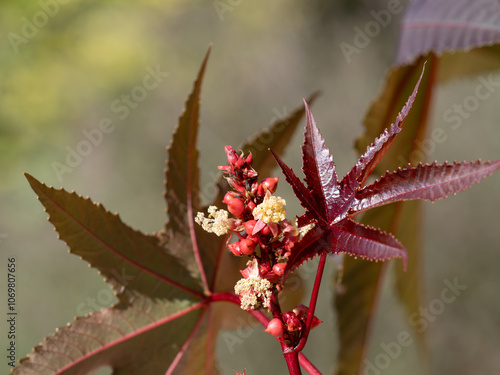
<point>264,269</point>
<point>236,207</point>
<point>235,248</point>
<point>247,246</point>
<point>292,322</point>
<point>255,186</point>
<point>224,168</point>
<point>279,269</point>
<point>249,159</point>
<point>265,230</point>
<point>269,184</point>
<point>251,173</point>
<point>250,206</point>
<point>275,327</point>
<point>229,196</point>
<point>232,156</point>
<point>249,225</point>
<point>240,163</point>
<point>300,310</point>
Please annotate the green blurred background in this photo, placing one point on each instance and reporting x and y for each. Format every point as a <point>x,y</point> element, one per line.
<point>266,56</point>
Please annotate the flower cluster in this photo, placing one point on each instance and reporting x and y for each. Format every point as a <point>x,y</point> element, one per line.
<point>263,233</point>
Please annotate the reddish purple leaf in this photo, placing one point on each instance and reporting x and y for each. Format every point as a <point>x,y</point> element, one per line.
<point>447,25</point>
<point>319,169</point>
<point>429,182</point>
<point>348,237</point>
<point>368,243</point>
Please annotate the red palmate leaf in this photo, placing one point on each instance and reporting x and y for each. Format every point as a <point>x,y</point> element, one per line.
<point>428,182</point>
<point>329,204</point>
<point>319,169</point>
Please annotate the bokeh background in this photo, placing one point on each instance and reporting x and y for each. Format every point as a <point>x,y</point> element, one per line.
<point>266,56</point>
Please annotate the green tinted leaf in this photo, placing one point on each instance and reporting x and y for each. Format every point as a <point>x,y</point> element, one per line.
<point>125,257</point>
<point>184,238</point>
<point>158,304</point>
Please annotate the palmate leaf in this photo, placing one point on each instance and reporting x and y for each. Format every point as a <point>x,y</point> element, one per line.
<point>155,295</point>
<point>327,202</point>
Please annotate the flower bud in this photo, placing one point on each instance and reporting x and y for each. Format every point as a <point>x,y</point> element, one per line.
<point>269,184</point>
<point>236,207</point>
<point>250,206</point>
<point>265,230</point>
<point>300,310</point>
<point>249,225</point>
<point>264,269</point>
<point>249,159</point>
<point>247,246</point>
<point>251,173</point>
<point>292,322</point>
<point>279,269</point>
<point>240,163</point>
<point>275,327</point>
<point>232,156</point>
<point>235,248</point>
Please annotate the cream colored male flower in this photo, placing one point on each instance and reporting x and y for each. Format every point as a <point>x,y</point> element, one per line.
<point>217,221</point>
<point>271,210</point>
<point>254,291</point>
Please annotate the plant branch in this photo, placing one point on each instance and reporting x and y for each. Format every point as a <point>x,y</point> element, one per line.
<point>312,303</point>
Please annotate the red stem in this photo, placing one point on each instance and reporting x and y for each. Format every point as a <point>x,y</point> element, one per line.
<point>312,303</point>
<point>292,361</point>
